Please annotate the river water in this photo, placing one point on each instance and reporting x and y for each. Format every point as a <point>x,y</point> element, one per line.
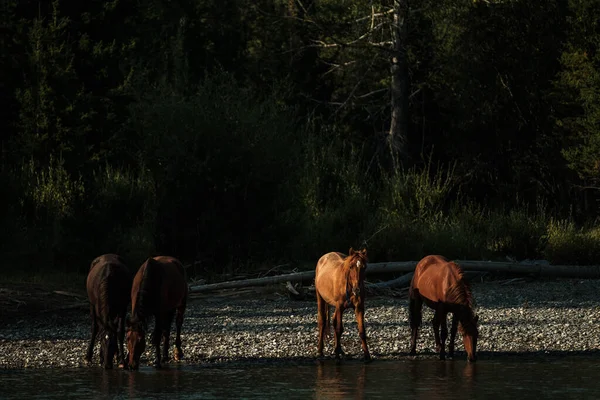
<point>507,378</point>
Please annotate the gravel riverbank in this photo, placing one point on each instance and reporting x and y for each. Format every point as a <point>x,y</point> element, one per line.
<point>517,318</point>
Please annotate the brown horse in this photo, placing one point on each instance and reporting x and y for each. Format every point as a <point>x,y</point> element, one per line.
<point>340,282</point>
<point>108,287</point>
<point>440,284</point>
<point>160,290</point>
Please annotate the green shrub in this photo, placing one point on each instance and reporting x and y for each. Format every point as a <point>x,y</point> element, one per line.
<point>569,244</point>
<point>336,207</point>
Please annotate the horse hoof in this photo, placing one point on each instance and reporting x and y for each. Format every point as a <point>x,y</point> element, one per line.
<point>368,360</point>
<point>178,355</point>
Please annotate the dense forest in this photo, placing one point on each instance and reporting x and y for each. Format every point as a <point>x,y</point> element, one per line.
<point>244,133</point>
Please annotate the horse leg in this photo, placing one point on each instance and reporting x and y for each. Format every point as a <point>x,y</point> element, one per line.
<point>322,317</point>
<point>453,329</point>
<point>166,332</point>
<point>443,333</point>
<point>156,338</point>
<point>436,322</point>
<point>339,329</point>
<point>359,311</point>
<point>90,350</point>
<point>178,355</point>
<point>415,316</point>
<point>121,340</point>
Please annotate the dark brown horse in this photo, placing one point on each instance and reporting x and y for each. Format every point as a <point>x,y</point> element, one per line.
<point>159,290</point>
<point>108,288</point>
<point>340,282</point>
<point>440,284</point>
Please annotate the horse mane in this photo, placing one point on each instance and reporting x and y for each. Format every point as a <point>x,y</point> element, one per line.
<point>460,291</point>
<point>350,258</point>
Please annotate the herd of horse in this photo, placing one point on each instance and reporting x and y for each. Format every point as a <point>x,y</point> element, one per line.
<point>159,289</point>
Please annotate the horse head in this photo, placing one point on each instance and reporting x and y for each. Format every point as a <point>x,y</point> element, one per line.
<point>136,342</point>
<point>470,333</point>
<point>355,266</point>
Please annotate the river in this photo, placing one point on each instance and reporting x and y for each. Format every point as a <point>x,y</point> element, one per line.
<point>509,378</point>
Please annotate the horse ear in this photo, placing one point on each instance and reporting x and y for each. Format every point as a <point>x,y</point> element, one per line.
<point>351,252</point>
<point>364,251</point>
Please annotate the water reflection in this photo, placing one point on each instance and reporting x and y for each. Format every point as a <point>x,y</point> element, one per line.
<point>170,380</point>
<point>420,379</point>
<point>338,381</point>
<point>432,379</point>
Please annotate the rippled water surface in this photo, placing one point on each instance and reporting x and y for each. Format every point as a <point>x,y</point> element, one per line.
<point>410,379</point>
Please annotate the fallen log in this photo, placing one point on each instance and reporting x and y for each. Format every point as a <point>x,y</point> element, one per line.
<point>402,281</point>
<point>539,269</point>
<point>534,268</point>
<point>268,280</point>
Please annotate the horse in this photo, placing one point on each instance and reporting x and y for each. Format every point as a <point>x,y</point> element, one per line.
<point>108,286</point>
<point>340,282</point>
<point>159,289</point>
<point>440,284</point>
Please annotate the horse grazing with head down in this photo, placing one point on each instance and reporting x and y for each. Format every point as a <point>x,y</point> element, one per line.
<point>160,290</point>
<point>340,282</point>
<point>108,287</point>
<point>440,284</point>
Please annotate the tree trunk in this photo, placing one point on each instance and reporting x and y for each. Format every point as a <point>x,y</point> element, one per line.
<point>397,136</point>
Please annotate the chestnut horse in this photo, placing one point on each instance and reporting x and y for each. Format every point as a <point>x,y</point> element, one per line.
<point>160,290</point>
<point>108,287</point>
<point>340,282</point>
<point>441,285</point>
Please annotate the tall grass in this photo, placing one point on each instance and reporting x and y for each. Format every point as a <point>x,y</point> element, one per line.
<point>420,211</point>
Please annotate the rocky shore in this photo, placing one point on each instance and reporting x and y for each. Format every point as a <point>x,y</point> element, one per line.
<point>516,317</point>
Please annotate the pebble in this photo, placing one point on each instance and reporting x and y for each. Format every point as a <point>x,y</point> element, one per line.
<point>539,317</point>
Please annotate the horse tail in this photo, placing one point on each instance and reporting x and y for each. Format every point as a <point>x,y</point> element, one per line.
<point>106,300</point>
<point>149,292</point>
<point>323,315</point>
<point>415,312</point>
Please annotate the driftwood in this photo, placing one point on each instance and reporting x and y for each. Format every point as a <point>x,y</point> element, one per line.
<point>404,280</point>
<point>268,280</point>
<point>70,294</point>
<point>538,268</point>
<point>400,282</point>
